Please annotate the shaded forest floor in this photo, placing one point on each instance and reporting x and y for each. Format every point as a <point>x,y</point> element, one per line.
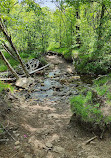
<point>40,122</point>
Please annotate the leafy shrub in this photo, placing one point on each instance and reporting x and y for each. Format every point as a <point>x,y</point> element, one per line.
<point>89,104</point>
<point>3,68</point>
<point>83,106</point>
<point>103,86</point>
<point>87,64</point>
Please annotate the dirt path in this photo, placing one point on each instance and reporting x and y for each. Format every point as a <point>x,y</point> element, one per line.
<point>41,126</point>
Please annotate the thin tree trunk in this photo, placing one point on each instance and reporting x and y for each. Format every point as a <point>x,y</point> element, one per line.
<point>3,29</point>
<point>99,45</point>
<point>43,47</point>
<point>78,41</point>
<point>9,51</point>
<point>60,40</point>
<point>71,37</point>
<point>9,66</point>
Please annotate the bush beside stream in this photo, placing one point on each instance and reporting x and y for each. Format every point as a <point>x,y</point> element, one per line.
<point>92,106</point>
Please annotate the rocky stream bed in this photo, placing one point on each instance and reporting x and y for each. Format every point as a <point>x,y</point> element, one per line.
<point>39,118</point>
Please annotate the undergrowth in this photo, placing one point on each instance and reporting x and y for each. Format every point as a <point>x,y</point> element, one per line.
<point>84,107</point>
<point>4,86</point>
<point>88,107</point>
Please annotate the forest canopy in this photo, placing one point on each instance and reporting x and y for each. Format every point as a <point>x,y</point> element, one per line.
<point>75,28</point>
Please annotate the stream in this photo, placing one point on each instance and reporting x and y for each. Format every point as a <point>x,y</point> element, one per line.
<point>59,84</point>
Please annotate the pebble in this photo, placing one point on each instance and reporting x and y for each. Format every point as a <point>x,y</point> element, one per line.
<point>69,93</point>
<point>14,132</point>
<point>17,135</point>
<point>49,145</point>
<point>58,149</point>
<point>17,143</point>
<point>42,84</point>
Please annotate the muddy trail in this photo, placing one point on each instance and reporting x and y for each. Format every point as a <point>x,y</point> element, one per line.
<point>39,120</point>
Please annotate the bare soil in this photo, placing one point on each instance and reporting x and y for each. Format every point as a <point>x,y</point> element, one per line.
<point>42,129</point>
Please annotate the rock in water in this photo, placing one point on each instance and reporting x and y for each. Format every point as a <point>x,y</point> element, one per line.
<point>24,82</point>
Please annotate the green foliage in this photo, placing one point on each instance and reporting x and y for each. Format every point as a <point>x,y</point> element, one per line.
<point>102,86</point>
<point>4,86</point>
<point>87,106</point>
<point>12,61</point>
<point>83,106</point>
<point>84,24</point>
<point>3,68</point>
<point>85,64</point>
<point>43,61</point>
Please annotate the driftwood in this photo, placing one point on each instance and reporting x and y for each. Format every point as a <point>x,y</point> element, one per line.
<point>8,38</point>
<point>9,66</point>
<point>39,69</point>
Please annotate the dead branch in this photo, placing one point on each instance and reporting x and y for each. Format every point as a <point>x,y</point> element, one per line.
<point>9,66</point>
<point>8,133</point>
<point>88,141</point>
<point>7,79</point>
<point>39,69</point>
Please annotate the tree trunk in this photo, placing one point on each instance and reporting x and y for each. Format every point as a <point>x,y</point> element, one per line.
<point>43,47</point>
<point>60,40</point>
<point>99,44</point>
<point>9,66</point>
<point>9,51</point>
<point>78,41</point>
<point>3,29</point>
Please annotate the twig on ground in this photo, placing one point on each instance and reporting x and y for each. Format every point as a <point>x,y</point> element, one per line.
<point>15,154</point>
<point>8,133</point>
<point>88,141</point>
